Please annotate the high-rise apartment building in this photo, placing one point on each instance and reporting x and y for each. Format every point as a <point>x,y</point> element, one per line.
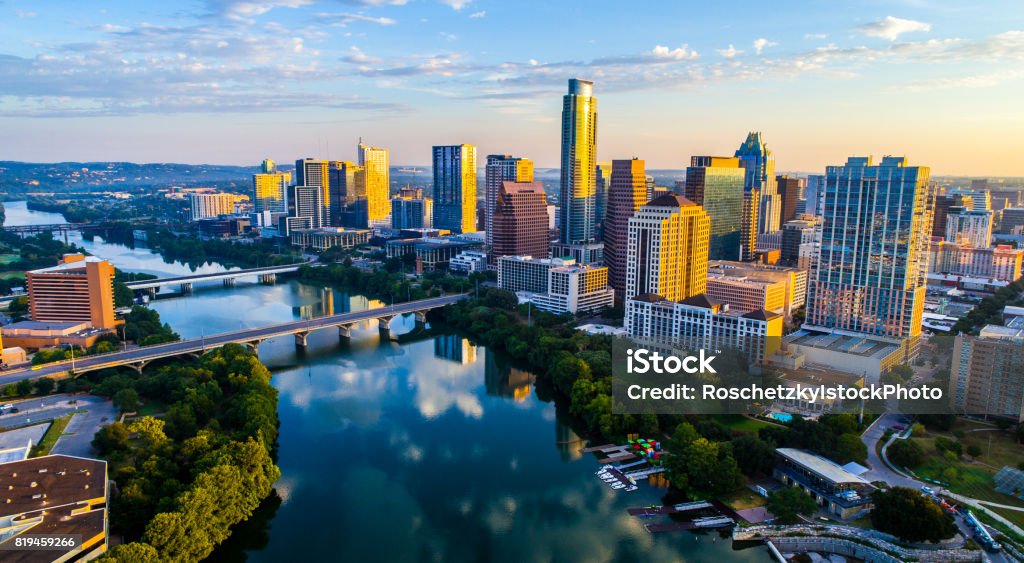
<point>812,194</point>
<point>306,203</point>
<point>211,205</point>
<point>667,252</point>
<point>578,195</point>
<point>377,184</point>
<point>757,160</point>
<point>986,379</point>
<point>1002,262</point>
<point>269,190</point>
<point>410,210</point>
<point>501,168</point>
<point>519,221</point>
<point>347,190</point>
<point>315,172</point>
<point>869,275</point>
<point>79,288</point>
<point>455,188</point>
<point>799,242</point>
<point>969,226</point>
<point>716,184</point>
<point>791,191</point>
<point>603,183</point>
<point>626,193</point>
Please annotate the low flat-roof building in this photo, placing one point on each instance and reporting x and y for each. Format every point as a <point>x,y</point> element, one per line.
<point>54,495</point>
<point>557,285</point>
<point>838,491</point>
<point>33,335</point>
<point>329,237</point>
<point>856,354</point>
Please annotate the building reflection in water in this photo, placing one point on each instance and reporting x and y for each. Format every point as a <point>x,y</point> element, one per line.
<point>455,348</point>
<point>569,443</point>
<point>319,302</point>
<point>504,380</point>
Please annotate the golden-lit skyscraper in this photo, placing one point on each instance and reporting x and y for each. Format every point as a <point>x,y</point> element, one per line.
<point>455,188</point>
<point>501,168</point>
<point>716,184</point>
<point>577,201</point>
<point>626,193</point>
<point>269,188</point>
<point>668,249</point>
<point>377,177</point>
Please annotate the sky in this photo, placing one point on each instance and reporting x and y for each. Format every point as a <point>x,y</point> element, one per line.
<point>236,81</point>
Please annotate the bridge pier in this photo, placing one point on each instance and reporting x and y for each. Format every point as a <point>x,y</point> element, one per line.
<point>229,282</point>
<point>384,325</point>
<point>253,345</point>
<point>345,331</point>
<point>186,287</point>
<point>268,279</point>
<point>421,318</point>
<point>300,339</point>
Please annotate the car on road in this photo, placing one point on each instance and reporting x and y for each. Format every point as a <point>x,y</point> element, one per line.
<point>899,427</point>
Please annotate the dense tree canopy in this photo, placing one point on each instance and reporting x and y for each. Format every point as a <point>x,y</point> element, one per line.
<point>911,516</point>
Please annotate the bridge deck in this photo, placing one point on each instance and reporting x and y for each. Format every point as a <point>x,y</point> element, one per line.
<point>145,284</point>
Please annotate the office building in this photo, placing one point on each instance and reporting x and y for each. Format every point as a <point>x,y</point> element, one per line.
<point>627,192</point>
<point>269,189</point>
<point>943,203</point>
<point>1001,263</point>
<point>794,279</point>
<point>519,221</point>
<point>869,275</point>
<point>987,380</point>
<point>377,184</point>
<point>468,262</point>
<point>970,227</point>
<point>791,191</point>
<point>667,249</point>
<point>455,188</point>
<point>812,194</point>
<point>58,496</point>
<point>1002,199</point>
<point>306,203</point>
<point>603,183</point>
<point>1012,222</point>
<point>716,184</point>
<point>80,288</point>
<point>205,205</point>
<point>312,172</point>
<point>347,191</point>
<point>328,237</point>
<point>749,230</point>
<point>578,193</point>
<point>759,164</point>
<point>745,294</point>
<point>501,168</point>
<point>410,210</point>
<point>556,285</point>
<point>799,242</point>
<point>432,252</point>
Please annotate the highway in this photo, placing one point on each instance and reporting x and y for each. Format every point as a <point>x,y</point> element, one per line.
<point>199,345</point>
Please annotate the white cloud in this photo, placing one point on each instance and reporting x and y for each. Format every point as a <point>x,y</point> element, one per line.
<point>479,14</point>
<point>456,4</point>
<point>730,52</point>
<point>678,54</point>
<point>815,36</point>
<point>892,27</point>
<point>760,43</point>
<point>357,56</point>
<point>448,36</point>
<point>245,9</point>
<point>344,19</point>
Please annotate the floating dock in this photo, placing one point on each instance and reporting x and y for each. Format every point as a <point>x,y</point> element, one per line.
<point>708,522</point>
<point>673,509</point>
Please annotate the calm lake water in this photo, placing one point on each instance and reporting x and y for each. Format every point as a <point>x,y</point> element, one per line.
<point>431,450</point>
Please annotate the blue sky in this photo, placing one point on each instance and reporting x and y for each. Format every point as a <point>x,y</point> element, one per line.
<point>228,81</point>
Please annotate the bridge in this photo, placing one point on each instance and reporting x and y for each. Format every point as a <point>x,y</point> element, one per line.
<point>267,274</point>
<point>138,358</point>
<point>56,227</point>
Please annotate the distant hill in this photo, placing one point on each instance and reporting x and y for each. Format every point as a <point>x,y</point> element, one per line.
<point>21,177</point>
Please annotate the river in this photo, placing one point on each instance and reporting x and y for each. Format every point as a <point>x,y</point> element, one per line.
<point>432,450</point>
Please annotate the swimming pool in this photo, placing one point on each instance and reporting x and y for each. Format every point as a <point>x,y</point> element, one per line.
<point>782,416</point>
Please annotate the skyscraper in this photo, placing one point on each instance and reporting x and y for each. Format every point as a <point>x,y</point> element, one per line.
<point>868,277</point>
<point>306,203</point>
<point>347,194</point>
<point>577,196</point>
<point>716,184</point>
<point>502,168</point>
<point>603,182</point>
<point>668,249</point>
<point>314,172</point>
<point>759,164</point>
<point>520,221</point>
<point>790,192</point>
<point>377,180</point>
<point>455,188</point>
<point>269,189</point>
<point>79,288</point>
<point>627,192</point>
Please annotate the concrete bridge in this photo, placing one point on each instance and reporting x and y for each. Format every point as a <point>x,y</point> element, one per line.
<point>138,358</point>
<point>267,274</point>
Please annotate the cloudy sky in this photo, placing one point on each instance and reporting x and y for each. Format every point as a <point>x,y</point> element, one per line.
<point>234,81</point>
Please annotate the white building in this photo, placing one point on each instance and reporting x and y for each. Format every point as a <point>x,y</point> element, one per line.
<point>211,205</point>
<point>469,261</point>
<point>556,285</point>
<point>970,227</point>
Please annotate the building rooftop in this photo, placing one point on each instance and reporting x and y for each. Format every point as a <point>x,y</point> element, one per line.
<point>58,326</point>
<point>825,468</point>
<point>1003,332</point>
<point>847,344</point>
<point>670,199</point>
<point>68,266</point>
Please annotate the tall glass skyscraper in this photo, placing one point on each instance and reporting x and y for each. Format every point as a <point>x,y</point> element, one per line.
<point>501,168</point>
<point>868,277</point>
<point>377,178</point>
<point>270,188</point>
<point>577,198</point>
<point>716,184</point>
<point>455,188</point>
<point>627,192</point>
<point>757,160</point>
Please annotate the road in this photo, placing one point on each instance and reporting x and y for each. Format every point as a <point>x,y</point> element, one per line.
<point>259,334</point>
<point>90,413</point>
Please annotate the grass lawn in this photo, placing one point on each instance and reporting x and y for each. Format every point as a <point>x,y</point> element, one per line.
<point>50,438</point>
<point>151,408</point>
<point>741,423</point>
<point>11,274</point>
<point>1015,516</point>
<point>744,499</point>
<point>8,258</point>
<point>862,522</point>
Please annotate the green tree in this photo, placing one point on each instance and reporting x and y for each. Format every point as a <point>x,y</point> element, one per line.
<point>849,447</point>
<point>909,515</point>
<point>134,552</point>
<point>786,504</point>
<point>24,387</point>
<point>754,456</point>
<point>110,438</point>
<point>44,385</point>
<point>126,400</point>
<point>905,453</point>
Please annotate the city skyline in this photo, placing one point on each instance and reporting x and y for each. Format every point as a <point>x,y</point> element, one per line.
<point>924,80</point>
